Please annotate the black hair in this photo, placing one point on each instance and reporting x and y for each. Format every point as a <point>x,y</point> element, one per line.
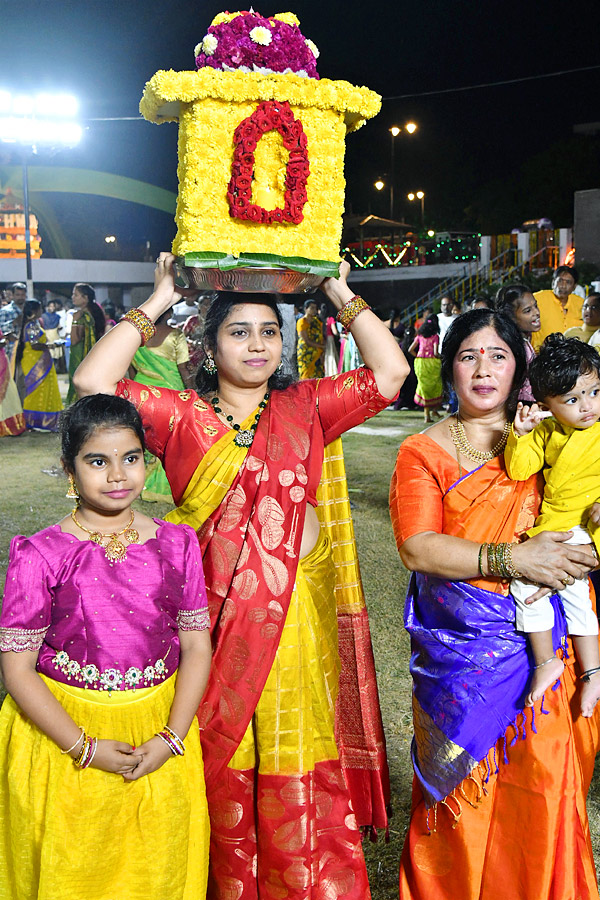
<point>109,310</point>
<point>18,286</point>
<point>308,302</point>
<point>558,365</point>
<point>430,326</point>
<point>218,311</point>
<point>566,270</point>
<point>80,420</point>
<point>89,293</point>
<point>481,298</point>
<point>56,300</point>
<point>507,298</point>
<point>475,320</point>
<point>28,310</point>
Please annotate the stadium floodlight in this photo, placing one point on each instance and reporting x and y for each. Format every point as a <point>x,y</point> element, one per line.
<point>31,121</point>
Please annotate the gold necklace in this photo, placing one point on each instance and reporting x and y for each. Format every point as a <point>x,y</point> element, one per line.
<point>115,550</point>
<point>464,446</point>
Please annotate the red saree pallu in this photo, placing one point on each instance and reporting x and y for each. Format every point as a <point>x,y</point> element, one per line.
<point>283,820</point>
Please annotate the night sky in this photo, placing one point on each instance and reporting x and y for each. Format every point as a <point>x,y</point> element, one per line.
<point>104,53</point>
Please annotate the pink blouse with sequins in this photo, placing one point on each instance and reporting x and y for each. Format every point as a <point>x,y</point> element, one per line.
<point>99,624</point>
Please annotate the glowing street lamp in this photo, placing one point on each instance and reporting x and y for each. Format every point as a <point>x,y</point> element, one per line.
<point>419,195</point>
<point>32,121</point>
<point>110,239</point>
<point>379,185</point>
<point>395,130</point>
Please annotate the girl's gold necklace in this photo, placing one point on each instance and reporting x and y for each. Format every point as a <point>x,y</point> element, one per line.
<point>115,550</point>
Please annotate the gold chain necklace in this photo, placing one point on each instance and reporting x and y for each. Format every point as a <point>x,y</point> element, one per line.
<point>464,446</point>
<point>115,550</point>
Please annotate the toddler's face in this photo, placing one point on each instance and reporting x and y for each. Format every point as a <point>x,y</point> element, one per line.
<point>579,407</point>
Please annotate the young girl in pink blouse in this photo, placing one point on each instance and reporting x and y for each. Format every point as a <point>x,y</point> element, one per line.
<point>105,655</point>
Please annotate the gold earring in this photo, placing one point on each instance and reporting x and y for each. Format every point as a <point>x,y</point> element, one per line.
<point>72,492</point>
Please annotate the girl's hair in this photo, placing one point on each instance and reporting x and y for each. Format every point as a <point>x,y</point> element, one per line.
<point>430,326</point>
<point>481,298</point>
<point>218,311</point>
<point>558,365</point>
<point>109,310</point>
<point>29,309</point>
<point>507,298</point>
<point>308,303</point>
<point>80,420</point>
<point>90,294</point>
<point>475,320</point>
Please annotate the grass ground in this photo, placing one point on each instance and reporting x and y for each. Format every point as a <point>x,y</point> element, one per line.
<point>33,496</point>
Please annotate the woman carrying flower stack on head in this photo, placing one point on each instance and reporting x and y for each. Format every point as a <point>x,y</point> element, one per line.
<point>105,655</point>
<point>288,773</point>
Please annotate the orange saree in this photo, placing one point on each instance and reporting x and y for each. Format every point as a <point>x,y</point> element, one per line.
<point>516,827</point>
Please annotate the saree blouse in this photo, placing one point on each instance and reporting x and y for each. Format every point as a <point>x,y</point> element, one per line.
<point>104,625</point>
<point>181,427</point>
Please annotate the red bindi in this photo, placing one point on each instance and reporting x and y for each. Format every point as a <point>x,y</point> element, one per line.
<point>481,350</point>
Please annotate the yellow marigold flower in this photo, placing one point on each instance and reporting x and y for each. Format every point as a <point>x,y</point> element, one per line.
<point>261,36</point>
<point>287,17</point>
<point>223,17</point>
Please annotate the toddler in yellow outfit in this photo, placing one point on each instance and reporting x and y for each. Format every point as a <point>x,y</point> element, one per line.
<point>565,380</point>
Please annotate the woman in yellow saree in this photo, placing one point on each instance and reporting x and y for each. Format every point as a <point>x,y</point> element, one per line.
<point>35,373</point>
<point>292,743</point>
<point>88,327</point>
<point>310,349</point>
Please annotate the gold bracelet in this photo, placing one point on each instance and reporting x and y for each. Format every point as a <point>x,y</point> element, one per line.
<point>141,322</point>
<point>351,310</point>
<point>82,730</point>
<point>500,561</point>
<point>482,550</point>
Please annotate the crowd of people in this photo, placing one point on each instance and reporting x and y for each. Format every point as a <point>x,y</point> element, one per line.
<point>197,695</point>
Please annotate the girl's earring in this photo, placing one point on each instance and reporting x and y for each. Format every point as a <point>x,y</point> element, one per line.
<point>72,492</point>
<point>209,365</point>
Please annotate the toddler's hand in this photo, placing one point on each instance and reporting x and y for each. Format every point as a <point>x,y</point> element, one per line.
<point>115,756</point>
<point>527,417</point>
<point>154,754</point>
<point>595,513</point>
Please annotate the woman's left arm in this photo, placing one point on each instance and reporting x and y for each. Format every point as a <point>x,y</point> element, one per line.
<point>374,340</point>
<point>192,676</point>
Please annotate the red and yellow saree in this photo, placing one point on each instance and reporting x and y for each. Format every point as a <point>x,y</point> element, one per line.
<point>290,725</point>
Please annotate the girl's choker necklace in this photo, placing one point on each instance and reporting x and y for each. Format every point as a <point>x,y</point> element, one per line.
<point>244,437</point>
<point>115,550</point>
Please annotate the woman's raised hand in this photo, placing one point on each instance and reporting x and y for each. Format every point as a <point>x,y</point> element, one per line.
<point>337,289</point>
<point>546,559</point>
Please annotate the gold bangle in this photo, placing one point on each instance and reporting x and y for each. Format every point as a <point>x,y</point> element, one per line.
<point>82,730</point>
<point>351,310</point>
<point>482,550</point>
<point>141,322</point>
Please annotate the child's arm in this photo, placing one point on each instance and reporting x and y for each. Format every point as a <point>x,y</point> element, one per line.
<point>41,706</point>
<point>413,349</point>
<point>526,446</point>
<point>192,675</point>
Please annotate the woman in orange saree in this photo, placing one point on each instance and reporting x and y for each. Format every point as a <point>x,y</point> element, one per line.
<point>499,793</point>
<point>290,726</point>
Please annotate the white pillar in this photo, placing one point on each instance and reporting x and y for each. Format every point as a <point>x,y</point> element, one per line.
<point>485,250</point>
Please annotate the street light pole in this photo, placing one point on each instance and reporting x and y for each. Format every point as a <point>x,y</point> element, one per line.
<point>410,128</point>
<point>28,267</point>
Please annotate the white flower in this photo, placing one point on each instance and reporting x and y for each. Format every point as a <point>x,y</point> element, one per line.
<point>261,35</point>
<point>197,49</point>
<point>209,44</point>
<point>312,47</point>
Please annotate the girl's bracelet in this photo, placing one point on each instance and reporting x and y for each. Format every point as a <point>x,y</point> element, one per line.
<point>81,737</point>
<point>172,741</point>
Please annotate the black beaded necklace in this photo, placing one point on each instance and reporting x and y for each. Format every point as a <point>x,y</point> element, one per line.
<point>244,437</point>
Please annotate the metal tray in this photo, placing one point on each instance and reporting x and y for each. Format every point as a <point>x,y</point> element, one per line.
<point>247,280</point>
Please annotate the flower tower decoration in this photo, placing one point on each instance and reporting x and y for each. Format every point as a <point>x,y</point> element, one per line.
<point>261,148</point>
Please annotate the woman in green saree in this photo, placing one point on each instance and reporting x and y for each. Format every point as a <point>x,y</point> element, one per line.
<point>88,327</point>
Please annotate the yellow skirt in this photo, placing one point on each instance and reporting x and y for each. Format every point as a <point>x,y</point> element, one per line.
<point>67,834</point>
